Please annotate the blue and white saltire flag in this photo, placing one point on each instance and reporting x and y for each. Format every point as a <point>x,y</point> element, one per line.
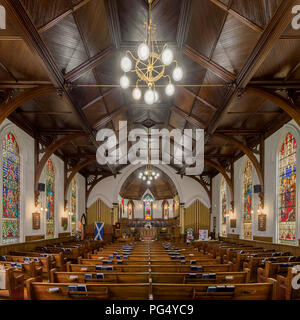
<point>99,230</point>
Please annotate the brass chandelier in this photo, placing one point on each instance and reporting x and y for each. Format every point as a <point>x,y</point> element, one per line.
<point>151,65</point>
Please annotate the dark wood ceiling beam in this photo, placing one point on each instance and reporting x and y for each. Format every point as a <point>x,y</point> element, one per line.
<point>238,16</point>
<point>31,36</point>
<point>184,23</point>
<point>21,85</point>
<point>8,108</point>
<point>4,37</point>
<point>197,97</point>
<point>275,28</point>
<point>239,132</point>
<point>62,16</point>
<point>88,65</point>
<point>105,120</point>
<point>43,113</point>
<point>208,64</point>
<point>97,99</point>
<point>193,121</point>
<point>280,101</point>
<point>274,84</point>
<point>113,22</point>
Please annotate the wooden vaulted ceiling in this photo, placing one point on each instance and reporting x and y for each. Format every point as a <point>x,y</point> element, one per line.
<point>239,44</point>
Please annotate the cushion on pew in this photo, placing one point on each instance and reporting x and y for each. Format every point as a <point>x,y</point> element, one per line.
<point>211,289</point>
<point>3,258</point>
<point>192,261</point>
<point>294,259</point>
<point>26,259</point>
<point>120,262</point>
<point>88,276</point>
<point>72,288</point>
<point>110,257</point>
<point>107,261</point>
<point>100,275</point>
<point>286,265</point>
<point>192,276</point>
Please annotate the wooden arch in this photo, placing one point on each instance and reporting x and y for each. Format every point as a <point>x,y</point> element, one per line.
<point>281,102</point>
<point>224,174</point>
<point>8,108</point>
<point>248,152</point>
<point>76,169</point>
<point>48,152</point>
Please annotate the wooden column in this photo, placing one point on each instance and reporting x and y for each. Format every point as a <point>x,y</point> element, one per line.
<point>181,218</point>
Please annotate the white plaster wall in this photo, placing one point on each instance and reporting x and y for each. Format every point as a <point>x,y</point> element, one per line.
<point>26,145</point>
<point>272,145</point>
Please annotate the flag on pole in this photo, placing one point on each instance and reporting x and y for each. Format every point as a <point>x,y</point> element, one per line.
<point>99,230</point>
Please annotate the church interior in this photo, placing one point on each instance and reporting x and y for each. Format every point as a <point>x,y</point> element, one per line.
<point>75,71</point>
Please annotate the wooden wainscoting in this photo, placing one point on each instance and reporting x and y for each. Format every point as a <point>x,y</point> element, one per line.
<point>34,238</point>
<point>264,239</point>
<point>64,234</point>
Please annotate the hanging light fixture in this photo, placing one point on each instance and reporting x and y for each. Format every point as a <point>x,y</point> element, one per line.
<point>149,174</point>
<point>150,66</point>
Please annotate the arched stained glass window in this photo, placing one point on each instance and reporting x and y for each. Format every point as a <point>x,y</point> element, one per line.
<point>50,197</point>
<point>224,210</point>
<point>10,190</point>
<point>287,191</point>
<point>74,205</point>
<point>148,207</point>
<point>165,210</point>
<point>130,209</point>
<point>248,198</point>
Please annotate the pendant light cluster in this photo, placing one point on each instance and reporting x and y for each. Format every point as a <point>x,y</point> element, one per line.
<point>148,175</point>
<point>150,67</point>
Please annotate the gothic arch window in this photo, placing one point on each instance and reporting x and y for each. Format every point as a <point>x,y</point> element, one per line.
<point>224,209</point>
<point>50,199</point>
<point>10,189</point>
<point>165,210</point>
<point>247,201</point>
<point>287,191</point>
<point>130,209</point>
<point>148,207</point>
<point>73,205</point>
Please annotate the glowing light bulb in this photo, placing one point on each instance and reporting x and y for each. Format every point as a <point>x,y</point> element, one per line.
<point>144,178</point>
<point>170,90</point>
<point>178,74</point>
<point>136,94</point>
<point>167,56</point>
<point>148,182</point>
<point>126,64</point>
<point>143,51</point>
<point>149,97</point>
<point>124,82</point>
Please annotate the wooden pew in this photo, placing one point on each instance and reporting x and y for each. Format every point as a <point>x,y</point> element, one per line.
<point>285,289</point>
<point>91,277</point>
<point>220,277</point>
<point>118,268</point>
<point>272,269</point>
<point>45,262</point>
<point>29,269</point>
<point>189,269</point>
<point>60,261</point>
<point>248,291</point>
<point>15,286</point>
<point>60,291</point>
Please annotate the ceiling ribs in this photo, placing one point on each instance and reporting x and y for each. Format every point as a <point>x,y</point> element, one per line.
<point>184,23</point>
<point>235,14</point>
<point>33,39</point>
<point>277,25</point>
<point>113,22</point>
<point>208,64</point>
<point>62,16</point>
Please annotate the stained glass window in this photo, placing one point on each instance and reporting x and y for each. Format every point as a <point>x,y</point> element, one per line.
<point>73,205</point>
<point>11,189</point>
<point>223,194</point>
<point>130,209</point>
<point>165,210</point>
<point>50,196</point>
<point>148,207</point>
<point>287,191</point>
<point>248,196</point>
